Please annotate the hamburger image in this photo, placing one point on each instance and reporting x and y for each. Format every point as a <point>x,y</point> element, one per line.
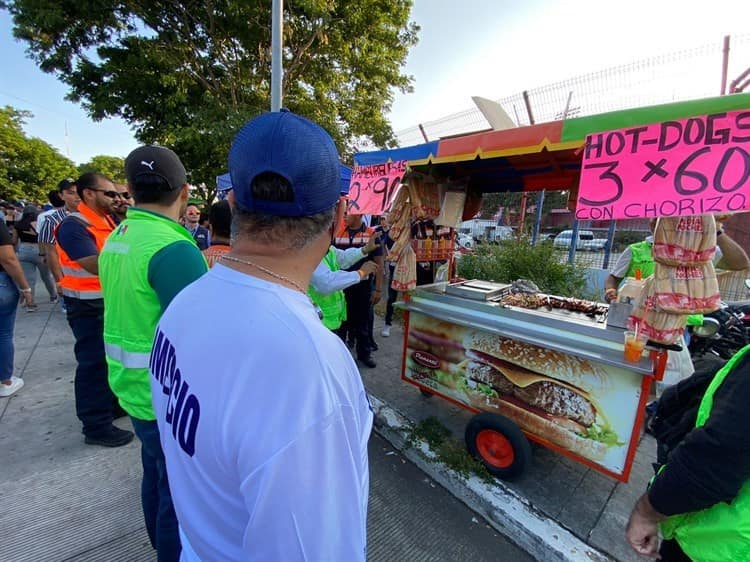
<point>435,350</point>
<point>547,393</point>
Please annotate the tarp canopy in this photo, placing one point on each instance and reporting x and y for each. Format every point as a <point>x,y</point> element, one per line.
<point>346,178</point>
<point>418,152</point>
<point>223,182</point>
<point>544,156</point>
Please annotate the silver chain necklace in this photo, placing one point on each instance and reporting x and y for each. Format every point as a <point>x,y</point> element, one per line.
<point>275,276</point>
<point>266,271</point>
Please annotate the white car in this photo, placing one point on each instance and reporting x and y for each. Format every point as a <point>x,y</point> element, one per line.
<point>504,233</point>
<point>465,241</point>
<point>586,241</point>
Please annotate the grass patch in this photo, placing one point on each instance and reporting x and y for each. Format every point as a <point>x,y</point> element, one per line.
<point>448,450</point>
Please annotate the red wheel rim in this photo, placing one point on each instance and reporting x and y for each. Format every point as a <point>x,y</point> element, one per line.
<point>495,448</point>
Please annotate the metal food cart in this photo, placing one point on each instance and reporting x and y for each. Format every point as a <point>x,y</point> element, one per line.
<point>546,374</point>
<point>459,336</point>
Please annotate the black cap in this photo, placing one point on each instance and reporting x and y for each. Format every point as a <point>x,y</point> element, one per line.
<point>67,183</point>
<point>157,161</point>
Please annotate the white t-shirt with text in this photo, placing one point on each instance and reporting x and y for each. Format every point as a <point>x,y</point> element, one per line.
<point>264,423</point>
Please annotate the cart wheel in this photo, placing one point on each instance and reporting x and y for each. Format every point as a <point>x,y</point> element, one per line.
<point>426,393</point>
<point>499,444</point>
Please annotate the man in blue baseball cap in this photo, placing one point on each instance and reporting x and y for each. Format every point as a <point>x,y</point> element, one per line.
<point>266,443</point>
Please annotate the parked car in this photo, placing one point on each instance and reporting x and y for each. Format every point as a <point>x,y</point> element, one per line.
<point>586,241</point>
<point>504,233</point>
<point>465,241</point>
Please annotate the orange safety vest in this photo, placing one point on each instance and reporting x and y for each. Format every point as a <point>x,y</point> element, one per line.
<point>344,239</point>
<point>77,282</point>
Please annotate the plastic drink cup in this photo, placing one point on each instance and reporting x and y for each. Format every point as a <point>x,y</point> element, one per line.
<point>634,346</point>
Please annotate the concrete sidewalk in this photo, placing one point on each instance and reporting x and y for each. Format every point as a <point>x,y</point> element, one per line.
<point>563,495</point>
<point>62,500</point>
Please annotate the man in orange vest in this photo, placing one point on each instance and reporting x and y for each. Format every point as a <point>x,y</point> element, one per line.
<point>80,238</point>
<point>361,297</point>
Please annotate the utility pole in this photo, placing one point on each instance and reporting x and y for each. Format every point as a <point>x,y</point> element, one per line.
<point>277,25</point>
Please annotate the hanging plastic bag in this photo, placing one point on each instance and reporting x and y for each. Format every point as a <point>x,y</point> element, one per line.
<point>405,274</point>
<point>424,196</point>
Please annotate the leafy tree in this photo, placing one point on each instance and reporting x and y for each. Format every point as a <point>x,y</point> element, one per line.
<point>111,166</point>
<point>29,167</point>
<point>187,74</point>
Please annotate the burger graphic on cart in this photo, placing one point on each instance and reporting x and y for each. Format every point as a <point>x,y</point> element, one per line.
<point>523,391</point>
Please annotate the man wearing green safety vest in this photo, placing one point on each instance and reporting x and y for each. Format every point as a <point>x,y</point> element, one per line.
<point>729,256</point>
<point>328,281</point>
<point>146,261</point>
<point>700,499</point>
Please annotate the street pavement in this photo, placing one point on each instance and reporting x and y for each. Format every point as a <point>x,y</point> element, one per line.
<point>62,500</point>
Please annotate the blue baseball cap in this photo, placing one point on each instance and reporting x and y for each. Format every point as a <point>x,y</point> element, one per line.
<point>296,149</point>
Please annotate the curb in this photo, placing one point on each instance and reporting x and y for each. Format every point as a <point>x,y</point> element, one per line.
<point>503,508</point>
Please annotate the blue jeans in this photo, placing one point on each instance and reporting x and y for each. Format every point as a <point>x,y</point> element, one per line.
<point>156,499</point>
<point>31,261</point>
<point>94,398</point>
<point>8,306</point>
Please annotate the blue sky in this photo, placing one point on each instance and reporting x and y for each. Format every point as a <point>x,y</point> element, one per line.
<point>472,47</point>
<point>24,86</point>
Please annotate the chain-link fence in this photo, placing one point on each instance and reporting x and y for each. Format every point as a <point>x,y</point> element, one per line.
<point>682,75</point>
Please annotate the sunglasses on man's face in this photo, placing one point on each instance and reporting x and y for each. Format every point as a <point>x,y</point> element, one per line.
<point>108,193</point>
<point>125,195</point>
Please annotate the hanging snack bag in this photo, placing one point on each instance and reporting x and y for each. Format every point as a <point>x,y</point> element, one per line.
<point>424,196</point>
<point>686,289</point>
<point>658,325</point>
<point>405,274</point>
<point>685,240</point>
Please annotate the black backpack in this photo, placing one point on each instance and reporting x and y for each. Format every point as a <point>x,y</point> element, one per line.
<point>677,409</point>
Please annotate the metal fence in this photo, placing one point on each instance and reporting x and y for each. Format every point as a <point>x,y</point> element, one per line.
<point>731,283</point>
<point>682,75</point>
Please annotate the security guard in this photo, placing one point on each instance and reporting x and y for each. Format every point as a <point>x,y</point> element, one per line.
<point>362,296</point>
<point>146,261</point>
<point>80,238</point>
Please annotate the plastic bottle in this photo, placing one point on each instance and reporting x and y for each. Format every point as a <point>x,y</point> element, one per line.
<point>631,289</point>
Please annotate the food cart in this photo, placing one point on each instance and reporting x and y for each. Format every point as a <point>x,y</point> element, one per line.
<point>541,367</point>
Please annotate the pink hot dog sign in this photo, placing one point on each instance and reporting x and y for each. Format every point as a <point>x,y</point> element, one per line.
<point>688,167</point>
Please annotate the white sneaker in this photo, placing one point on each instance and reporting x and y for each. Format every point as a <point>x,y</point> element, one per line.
<point>9,389</point>
<point>386,331</point>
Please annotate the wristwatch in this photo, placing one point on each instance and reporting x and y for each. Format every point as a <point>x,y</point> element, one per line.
<point>27,290</point>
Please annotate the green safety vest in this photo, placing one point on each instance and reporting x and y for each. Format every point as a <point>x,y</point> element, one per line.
<point>131,306</point>
<point>642,258</point>
<point>722,532</point>
<point>332,306</point>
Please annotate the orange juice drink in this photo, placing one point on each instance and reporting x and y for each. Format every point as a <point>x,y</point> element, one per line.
<point>634,346</point>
